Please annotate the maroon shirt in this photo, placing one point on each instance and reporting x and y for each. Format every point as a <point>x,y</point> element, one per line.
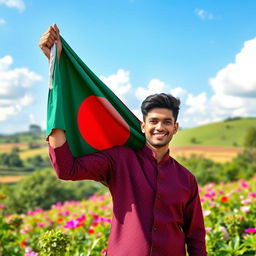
<point>156,206</point>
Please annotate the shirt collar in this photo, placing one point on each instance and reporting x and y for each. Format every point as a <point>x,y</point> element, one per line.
<point>152,155</point>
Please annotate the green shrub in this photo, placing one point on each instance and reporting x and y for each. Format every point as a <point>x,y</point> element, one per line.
<point>42,188</point>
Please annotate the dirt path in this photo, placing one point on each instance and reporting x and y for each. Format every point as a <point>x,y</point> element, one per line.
<point>215,153</point>
<point>10,179</point>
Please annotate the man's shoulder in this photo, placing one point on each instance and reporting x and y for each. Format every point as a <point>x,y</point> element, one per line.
<point>182,169</point>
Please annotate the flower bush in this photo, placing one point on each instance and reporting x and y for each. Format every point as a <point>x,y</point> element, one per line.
<point>229,212</point>
<point>81,228</point>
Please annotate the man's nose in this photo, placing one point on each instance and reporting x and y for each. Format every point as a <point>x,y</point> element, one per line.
<point>159,126</point>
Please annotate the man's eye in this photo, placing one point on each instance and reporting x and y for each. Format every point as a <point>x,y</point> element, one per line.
<point>152,122</point>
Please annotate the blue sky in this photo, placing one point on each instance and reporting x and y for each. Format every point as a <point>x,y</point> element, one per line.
<point>201,51</point>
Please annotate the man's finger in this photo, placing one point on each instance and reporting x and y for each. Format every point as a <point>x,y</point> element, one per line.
<point>55,27</point>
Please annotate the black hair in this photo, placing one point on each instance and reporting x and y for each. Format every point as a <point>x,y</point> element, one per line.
<point>161,100</point>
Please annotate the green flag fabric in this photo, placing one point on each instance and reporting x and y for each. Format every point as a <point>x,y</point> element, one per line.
<point>93,117</point>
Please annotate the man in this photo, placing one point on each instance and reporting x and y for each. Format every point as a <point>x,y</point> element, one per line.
<point>156,206</point>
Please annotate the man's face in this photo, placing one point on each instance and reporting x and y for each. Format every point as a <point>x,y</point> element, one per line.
<point>159,127</point>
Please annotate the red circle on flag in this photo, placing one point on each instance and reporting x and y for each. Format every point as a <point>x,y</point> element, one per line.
<point>100,125</point>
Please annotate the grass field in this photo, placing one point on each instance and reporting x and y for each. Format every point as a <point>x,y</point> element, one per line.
<point>43,152</point>
<point>227,133</point>
<point>25,152</point>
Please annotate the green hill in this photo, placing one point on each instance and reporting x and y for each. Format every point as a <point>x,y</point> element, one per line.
<point>229,133</point>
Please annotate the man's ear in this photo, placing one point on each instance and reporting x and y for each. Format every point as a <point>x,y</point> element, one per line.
<point>176,127</point>
<point>142,125</point>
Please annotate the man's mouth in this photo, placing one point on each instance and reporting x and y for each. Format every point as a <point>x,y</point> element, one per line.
<point>159,135</point>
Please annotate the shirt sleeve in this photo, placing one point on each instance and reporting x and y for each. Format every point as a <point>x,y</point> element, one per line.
<point>194,223</point>
<point>97,166</point>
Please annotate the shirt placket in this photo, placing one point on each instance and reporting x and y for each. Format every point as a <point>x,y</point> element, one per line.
<point>156,231</point>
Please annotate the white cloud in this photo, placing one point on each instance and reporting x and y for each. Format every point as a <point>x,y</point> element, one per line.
<point>6,111</point>
<point>5,62</point>
<point>2,21</point>
<point>197,103</point>
<point>14,90</point>
<point>234,92</point>
<point>154,86</point>
<point>158,86</point>
<point>26,100</point>
<point>239,78</point>
<point>32,119</point>
<point>14,82</point>
<point>19,4</point>
<point>119,83</point>
<point>204,15</point>
<point>178,92</point>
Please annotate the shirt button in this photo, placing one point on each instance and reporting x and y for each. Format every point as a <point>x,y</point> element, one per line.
<point>155,228</point>
<point>158,197</point>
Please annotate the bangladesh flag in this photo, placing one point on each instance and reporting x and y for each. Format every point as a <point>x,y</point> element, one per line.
<point>93,117</point>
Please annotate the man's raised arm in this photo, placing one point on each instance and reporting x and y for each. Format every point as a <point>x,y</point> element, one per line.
<point>52,36</point>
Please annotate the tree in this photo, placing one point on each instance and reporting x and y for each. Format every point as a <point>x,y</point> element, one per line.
<point>14,160</point>
<point>15,150</point>
<point>36,160</point>
<point>42,189</point>
<point>4,159</point>
<point>250,138</point>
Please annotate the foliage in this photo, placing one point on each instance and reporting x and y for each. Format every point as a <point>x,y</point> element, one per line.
<point>42,189</point>
<point>38,161</point>
<point>205,170</point>
<point>11,160</point>
<point>82,228</point>
<point>53,243</point>
<point>33,145</point>
<point>250,138</point>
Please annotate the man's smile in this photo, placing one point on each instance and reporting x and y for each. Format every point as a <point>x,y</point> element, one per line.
<point>159,135</point>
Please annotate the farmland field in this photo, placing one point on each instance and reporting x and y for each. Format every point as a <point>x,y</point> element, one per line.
<point>215,153</point>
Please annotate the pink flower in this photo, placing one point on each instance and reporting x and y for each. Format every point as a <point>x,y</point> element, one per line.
<point>246,201</point>
<point>2,206</point>
<point>24,231</point>
<point>65,213</point>
<point>213,204</point>
<point>208,229</point>
<point>243,184</point>
<point>245,209</point>
<point>72,224</point>
<point>210,195</point>
<point>78,222</point>
<point>250,230</point>
<point>252,194</point>
<point>32,213</point>
<point>82,217</point>
<point>206,213</point>
<point>57,205</point>
<point>29,252</point>
<point>104,252</point>
<point>98,219</point>
<point>41,225</point>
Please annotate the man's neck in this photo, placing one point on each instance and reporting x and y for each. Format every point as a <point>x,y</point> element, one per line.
<point>159,151</point>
